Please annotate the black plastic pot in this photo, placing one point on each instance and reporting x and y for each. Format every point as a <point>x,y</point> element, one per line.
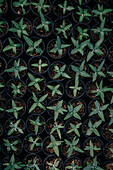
<point>18,13</point>
<point>76,102</point>
<point>18,152</point>
<point>28,145</point>
<point>51,103</point>
<point>83,7</point>
<point>94,140</point>
<point>25,21</point>
<point>5,6</point>
<point>11,64</point>
<point>3,107</point>
<point>22,112</point>
<point>57,24</point>
<point>69,160</point>
<point>110,54</point>
<point>55,4</point>
<point>71,91</point>
<point>42,84</point>
<point>35,55</point>
<point>33,70</point>
<point>107,152</point>
<point>32,127</point>
<point>50,71</point>
<point>3,88</point>
<point>34,9</point>
<point>40,32</point>
<point>55,55</point>
<point>6,42</point>
<point>6,125</point>
<point>61,88</point>
<point>5,28</point>
<point>29,103</point>
<point>3,65</point>
<point>108,135</point>
<point>68,127</point>
<point>15,81</point>
<point>51,158</point>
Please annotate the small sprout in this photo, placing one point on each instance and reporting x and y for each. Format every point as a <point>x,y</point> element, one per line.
<point>55,145</point>
<point>73,166</point>
<point>55,89</point>
<point>93,128</point>
<point>59,47</point>
<point>79,48</point>
<point>58,109</point>
<point>32,164</point>
<point>57,127</point>
<point>38,102</point>
<point>99,110</point>
<point>40,65</point>
<point>33,46</point>
<point>15,110</point>
<point>12,46</point>
<point>16,89</point>
<point>14,127</point>
<point>97,71</point>
<point>84,14</point>
<point>34,143</point>
<point>91,148</point>
<point>101,12</point>
<point>65,8</point>
<point>53,166</point>
<point>82,33</point>
<point>63,29</point>
<point>74,128</point>
<point>16,69</point>
<point>73,146</point>
<point>21,4</point>
<point>19,28</point>
<point>35,81</point>
<point>11,146</point>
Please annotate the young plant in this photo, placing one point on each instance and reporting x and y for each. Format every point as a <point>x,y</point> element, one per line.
<point>91,148</point>
<point>2,23</point>
<point>16,89</point>
<point>34,81</point>
<point>73,112</point>
<point>82,33</point>
<point>111,117</point>
<point>57,127</point>
<point>65,8</point>
<point>72,146</point>
<point>59,47</point>
<point>94,49</point>
<point>12,46</point>
<point>58,109</point>
<point>32,165</point>
<point>93,128</point>
<point>33,46</point>
<point>16,69</point>
<point>80,71</point>
<point>20,28</point>
<point>44,24</point>
<point>11,146</point>
<point>101,12</point>
<point>54,144</point>
<point>41,6</point>
<point>63,29</point>
<point>39,65</point>
<point>97,71</point>
<point>73,166</point>
<point>93,165</point>
<point>38,102</point>
<point>101,31</point>
<point>83,14</point>
<point>99,110</point>
<point>36,123</point>
<point>14,127</point>
<point>101,90</point>
<point>12,164</point>
<point>74,128</point>
<point>53,166</point>
<point>76,87</point>
<point>34,143</point>
<point>21,4</point>
<point>55,89</point>
<point>79,48</point>
<point>14,109</point>
<point>60,72</point>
